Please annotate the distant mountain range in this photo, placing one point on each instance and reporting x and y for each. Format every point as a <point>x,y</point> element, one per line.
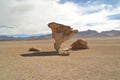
<point>93,33</point>
<point>88,33</point>
<point>35,37</point>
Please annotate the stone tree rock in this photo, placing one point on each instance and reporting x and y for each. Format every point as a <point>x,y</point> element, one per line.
<point>61,33</point>
<point>79,44</point>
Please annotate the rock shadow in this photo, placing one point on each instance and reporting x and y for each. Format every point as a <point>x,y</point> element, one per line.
<point>45,53</point>
<point>78,49</point>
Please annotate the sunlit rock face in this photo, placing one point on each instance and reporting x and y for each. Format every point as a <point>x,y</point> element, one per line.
<point>61,33</point>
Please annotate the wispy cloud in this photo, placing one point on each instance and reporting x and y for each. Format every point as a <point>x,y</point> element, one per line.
<point>114,17</point>
<point>5,26</point>
<point>32,16</point>
<point>117,28</point>
<point>114,3</point>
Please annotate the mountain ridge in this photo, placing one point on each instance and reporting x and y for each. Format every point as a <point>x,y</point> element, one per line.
<point>87,33</point>
<point>94,33</point>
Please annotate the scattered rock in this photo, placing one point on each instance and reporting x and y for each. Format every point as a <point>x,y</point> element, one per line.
<point>33,49</point>
<point>79,44</point>
<point>61,33</point>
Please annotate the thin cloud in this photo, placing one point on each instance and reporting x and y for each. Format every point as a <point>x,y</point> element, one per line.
<point>32,16</point>
<point>114,3</point>
<point>118,28</point>
<point>5,26</point>
<point>114,17</point>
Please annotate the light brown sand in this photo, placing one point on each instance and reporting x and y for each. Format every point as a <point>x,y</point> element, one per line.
<point>100,62</point>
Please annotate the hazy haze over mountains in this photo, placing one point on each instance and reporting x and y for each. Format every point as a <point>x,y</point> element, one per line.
<point>88,33</point>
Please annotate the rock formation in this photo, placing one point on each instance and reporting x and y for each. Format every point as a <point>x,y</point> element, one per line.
<point>61,33</point>
<point>79,44</point>
<point>33,49</point>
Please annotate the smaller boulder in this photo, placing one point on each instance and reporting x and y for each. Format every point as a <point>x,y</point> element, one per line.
<point>79,44</point>
<point>33,49</point>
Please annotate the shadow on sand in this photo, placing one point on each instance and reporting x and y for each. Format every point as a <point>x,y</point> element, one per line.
<point>45,53</point>
<point>79,49</point>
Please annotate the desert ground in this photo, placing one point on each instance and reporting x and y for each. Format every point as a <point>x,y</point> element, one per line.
<point>100,62</point>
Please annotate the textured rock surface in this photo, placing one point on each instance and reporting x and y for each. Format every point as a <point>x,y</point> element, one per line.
<point>61,33</point>
<point>79,44</point>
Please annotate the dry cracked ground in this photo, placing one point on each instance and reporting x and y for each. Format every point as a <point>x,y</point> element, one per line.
<point>100,62</point>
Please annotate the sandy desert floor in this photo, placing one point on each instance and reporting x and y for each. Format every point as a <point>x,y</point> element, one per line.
<point>100,62</point>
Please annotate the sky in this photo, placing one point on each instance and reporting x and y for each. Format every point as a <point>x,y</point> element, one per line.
<point>32,16</point>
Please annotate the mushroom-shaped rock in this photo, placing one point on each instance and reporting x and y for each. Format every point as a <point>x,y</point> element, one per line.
<point>61,33</point>
<point>79,44</point>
